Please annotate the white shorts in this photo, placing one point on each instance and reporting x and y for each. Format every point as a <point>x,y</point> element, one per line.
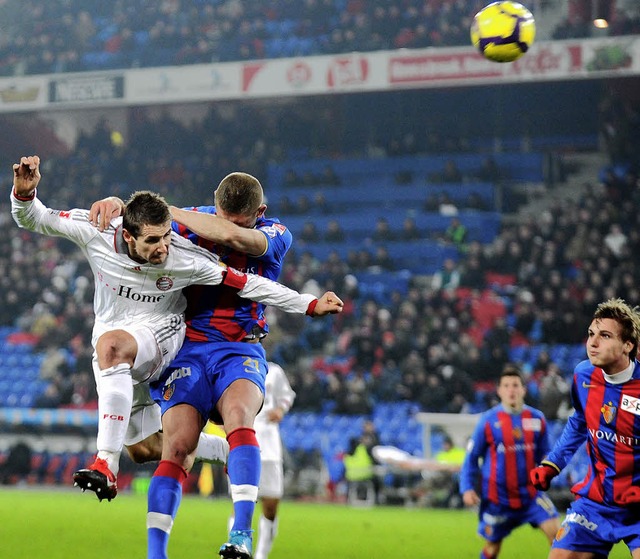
<point>157,347</point>
<point>271,480</point>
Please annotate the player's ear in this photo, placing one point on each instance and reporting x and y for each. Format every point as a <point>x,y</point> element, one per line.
<point>128,237</point>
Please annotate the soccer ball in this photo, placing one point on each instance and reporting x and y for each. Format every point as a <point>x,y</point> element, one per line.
<point>503,31</point>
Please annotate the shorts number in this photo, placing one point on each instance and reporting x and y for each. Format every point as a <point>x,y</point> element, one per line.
<point>251,365</point>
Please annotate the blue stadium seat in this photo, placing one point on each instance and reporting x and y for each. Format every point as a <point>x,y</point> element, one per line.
<point>141,37</point>
<point>519,354</point>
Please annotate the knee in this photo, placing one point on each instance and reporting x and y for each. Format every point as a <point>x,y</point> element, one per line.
<point>116,347</point>
<point>181,451</point>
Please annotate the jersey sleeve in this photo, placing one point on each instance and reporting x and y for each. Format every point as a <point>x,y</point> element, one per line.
<point>208,270</point>
<point>279,240</point>
<point>269,292</point>
<point>470,472</point>
<point>283,394</point>
<point>34,216</point>
<point>573,435</point>
<point>543,446</point>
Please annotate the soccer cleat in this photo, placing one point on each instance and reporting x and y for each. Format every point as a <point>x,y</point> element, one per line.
<point>239,545</point>
<point>97,478</point>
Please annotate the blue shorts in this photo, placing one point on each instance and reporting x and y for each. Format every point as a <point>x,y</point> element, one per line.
<point>202,371</point>
<point>594,528</point>
<point>498,521</point>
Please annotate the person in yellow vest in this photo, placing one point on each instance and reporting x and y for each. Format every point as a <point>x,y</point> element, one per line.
<point>359,468</point>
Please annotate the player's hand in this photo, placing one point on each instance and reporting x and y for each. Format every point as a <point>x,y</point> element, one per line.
<point>26,176</point>
<point>329,303</point>
<point>629,497</point>
<point>541,476</point>
<point>470,498</point>
<point>103,211</point>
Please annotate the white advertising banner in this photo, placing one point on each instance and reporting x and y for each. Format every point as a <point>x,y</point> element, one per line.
<point>322,75</point>
<point>200,82</point>
<point>318,75</point>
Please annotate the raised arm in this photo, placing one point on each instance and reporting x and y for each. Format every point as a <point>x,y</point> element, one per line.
<point>26,176</point>
<point>222,231</point>
<point>30,213</point>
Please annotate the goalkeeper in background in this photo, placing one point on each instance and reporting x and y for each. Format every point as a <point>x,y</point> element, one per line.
<point>508,439</point>
<point>606,398</point>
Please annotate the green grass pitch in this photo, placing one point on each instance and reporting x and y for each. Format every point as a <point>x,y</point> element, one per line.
<point>66,524</point>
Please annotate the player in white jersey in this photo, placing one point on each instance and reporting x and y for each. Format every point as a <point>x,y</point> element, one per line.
<point>278,399</point>
<point>138,305</point>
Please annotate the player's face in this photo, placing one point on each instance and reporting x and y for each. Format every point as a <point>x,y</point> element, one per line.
<point>152,245</point>
<point>511,392</point>
<point>605,347</point>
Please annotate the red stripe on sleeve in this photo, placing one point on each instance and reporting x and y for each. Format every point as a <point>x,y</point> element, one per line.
<point>234,278</point>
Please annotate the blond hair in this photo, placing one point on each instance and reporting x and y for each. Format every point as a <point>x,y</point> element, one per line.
<point>626,316</point>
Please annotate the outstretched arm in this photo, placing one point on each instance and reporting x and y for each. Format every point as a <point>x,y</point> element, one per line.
<point>222,231</point>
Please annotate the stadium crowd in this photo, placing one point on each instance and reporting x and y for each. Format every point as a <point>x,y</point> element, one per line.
<point>74,35</point>
<point>434,345</point>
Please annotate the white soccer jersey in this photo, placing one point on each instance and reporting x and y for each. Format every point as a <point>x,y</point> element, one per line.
<point>130,293</point>
<point>278,394</point>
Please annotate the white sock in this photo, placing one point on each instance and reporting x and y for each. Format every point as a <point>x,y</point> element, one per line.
<point>114,411</point>
<point>212,449</point>
<point>112,458</point>
<point>267,530</point>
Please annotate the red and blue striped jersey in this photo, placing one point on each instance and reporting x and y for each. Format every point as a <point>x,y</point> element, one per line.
<point>218,314</point>
<point>504,447</point>
<point>607,417</point>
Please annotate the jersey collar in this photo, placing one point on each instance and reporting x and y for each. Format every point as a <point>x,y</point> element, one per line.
<point>622,376</point>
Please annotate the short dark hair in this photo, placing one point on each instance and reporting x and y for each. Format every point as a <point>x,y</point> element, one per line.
<point>239,194</point>
<point>144,208</point>
<point>511,370</point>
<point>626,316</point>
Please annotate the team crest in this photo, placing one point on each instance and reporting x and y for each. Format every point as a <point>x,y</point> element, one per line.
<point>517,433</point>
<point>562,531</point>
<point>168,392</point>
<point>608,412</point>
<point>164,283</point>
<point>488,531</point>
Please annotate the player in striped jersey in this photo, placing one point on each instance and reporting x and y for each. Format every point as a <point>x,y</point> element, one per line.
<point>226,360</point>
<point>222,352</point>
<point>507,441</point>
<point>139,305</point>
<point>606,398</point>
